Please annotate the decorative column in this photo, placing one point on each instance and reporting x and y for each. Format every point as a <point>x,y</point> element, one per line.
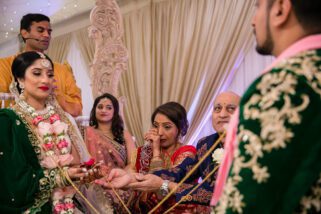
<point>111,56</point>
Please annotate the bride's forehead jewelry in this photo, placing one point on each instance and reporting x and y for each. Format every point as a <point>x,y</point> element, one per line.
<point>44,62</point>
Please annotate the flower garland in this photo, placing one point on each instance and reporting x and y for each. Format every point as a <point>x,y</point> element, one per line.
<point>64,207</point>
<point>54,134</point>
<point>54,139</point>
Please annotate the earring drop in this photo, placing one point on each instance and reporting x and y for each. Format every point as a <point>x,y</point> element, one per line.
<point>22,89</point>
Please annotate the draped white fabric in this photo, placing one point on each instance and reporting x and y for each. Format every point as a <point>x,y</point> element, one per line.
<point>180,49</point>
<point>246,72</point>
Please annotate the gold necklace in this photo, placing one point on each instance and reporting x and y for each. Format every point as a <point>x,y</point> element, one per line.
<point>107,133</point>
<point>167,157</point>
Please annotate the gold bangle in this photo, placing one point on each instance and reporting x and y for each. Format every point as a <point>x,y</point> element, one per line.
<point>156,165</point>
<point>63,175</point>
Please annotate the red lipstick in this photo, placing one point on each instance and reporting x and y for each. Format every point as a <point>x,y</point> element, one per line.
<point>44,88</point>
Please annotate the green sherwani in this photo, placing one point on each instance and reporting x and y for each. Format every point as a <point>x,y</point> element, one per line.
<point>22,181</point>
<point>277,165</point>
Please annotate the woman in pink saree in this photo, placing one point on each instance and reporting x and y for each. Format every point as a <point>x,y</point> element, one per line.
<point>112,146</point>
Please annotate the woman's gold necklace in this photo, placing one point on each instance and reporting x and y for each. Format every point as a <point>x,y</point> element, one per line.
<point>107,133</point>
<point>167,156</point>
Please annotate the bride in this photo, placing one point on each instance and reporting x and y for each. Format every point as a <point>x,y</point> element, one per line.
<point>41,148</point>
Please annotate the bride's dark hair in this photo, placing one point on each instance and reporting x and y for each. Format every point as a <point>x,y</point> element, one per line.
<point>23,61</point>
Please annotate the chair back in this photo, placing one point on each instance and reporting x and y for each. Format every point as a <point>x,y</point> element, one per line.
<point>6,100</point>
<point>82,122</point>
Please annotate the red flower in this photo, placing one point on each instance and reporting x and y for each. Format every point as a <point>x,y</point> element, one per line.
<point>90,162</point>
<point>62,144</point>
<point>37,120</point>
<point>53,118</point>
<point>48,146</point>
<point>59,207</point>
<point>69,206</point>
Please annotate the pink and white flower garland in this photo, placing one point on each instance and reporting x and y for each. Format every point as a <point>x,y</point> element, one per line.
<point>55,139</point>
<point>56,145</point>
<point>64,207</point>
<point>54,134</point>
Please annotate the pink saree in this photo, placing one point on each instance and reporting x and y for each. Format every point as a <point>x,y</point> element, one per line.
<point>111,154</point>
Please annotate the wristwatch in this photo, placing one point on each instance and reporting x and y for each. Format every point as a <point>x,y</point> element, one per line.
<point>164,188</point>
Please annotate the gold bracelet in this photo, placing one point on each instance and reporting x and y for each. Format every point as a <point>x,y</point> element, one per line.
<point>63,175</point>
<point>156,165</point>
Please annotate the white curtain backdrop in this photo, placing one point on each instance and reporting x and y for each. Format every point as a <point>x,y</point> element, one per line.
<point>80,69</point>
<point>246,72</point>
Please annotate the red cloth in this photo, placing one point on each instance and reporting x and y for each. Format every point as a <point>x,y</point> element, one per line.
<point>145,154</point>
<point>182,150</point>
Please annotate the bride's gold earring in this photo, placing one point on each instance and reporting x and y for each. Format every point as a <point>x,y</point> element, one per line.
<point>22,90</point>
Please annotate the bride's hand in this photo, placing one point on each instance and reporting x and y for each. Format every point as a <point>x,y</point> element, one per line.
<point>76,173</point>
<point>117,178</point>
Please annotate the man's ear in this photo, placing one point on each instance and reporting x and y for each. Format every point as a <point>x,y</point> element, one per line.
<point>24,33</point>
<point>280,12</point>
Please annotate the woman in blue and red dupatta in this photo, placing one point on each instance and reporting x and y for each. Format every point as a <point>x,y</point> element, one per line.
<point>163,150</point>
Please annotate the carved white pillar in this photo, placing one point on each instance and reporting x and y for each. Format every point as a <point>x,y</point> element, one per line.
<point>111,56</point>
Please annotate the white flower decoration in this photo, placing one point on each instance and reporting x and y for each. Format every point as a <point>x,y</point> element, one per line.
<point>218,155</point>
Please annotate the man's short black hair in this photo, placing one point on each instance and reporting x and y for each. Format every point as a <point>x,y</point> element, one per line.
<point>308,13</point>
<point>27,20</point>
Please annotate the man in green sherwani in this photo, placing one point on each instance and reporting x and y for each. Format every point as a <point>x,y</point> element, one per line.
<point>277,161</point>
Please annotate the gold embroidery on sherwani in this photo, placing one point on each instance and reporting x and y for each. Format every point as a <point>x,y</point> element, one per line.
<point>48,182</point>
<point>274,134</point>
<point>313,200</point>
